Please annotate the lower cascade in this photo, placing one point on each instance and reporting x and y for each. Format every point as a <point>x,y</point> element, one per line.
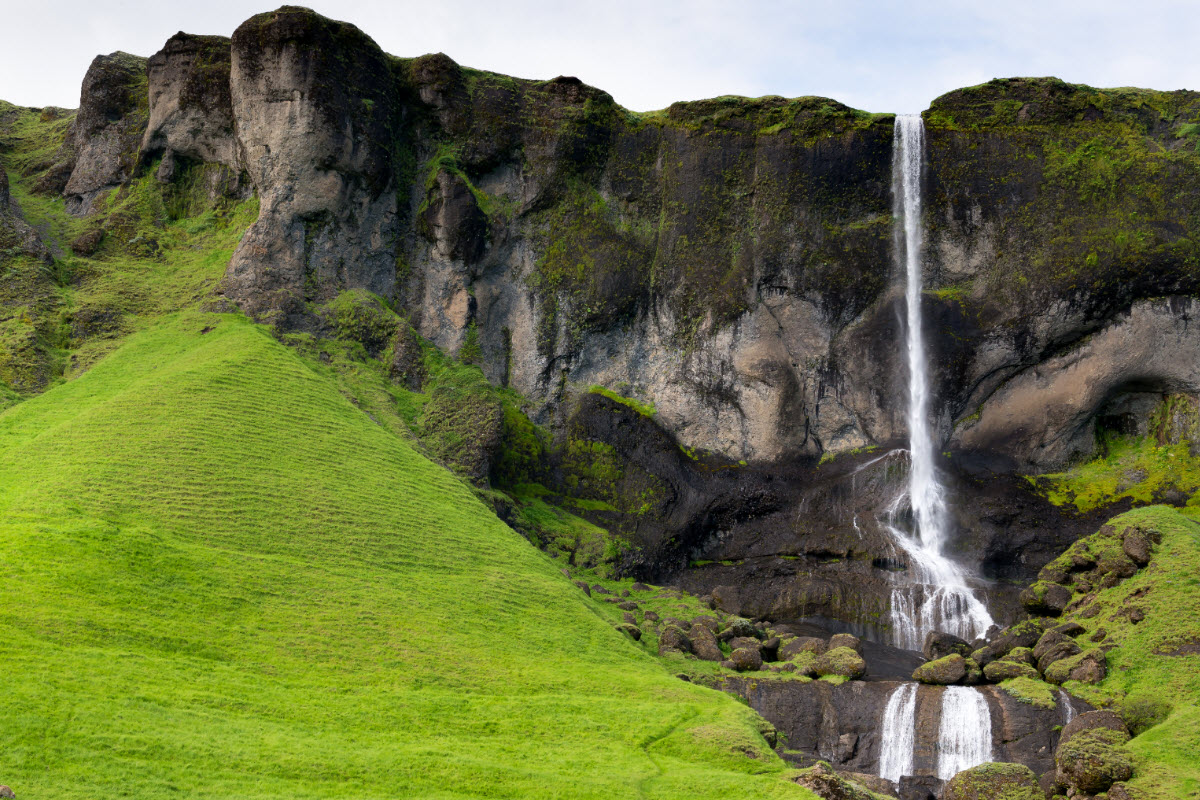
<point>965,733</point>
<point>898,733</point>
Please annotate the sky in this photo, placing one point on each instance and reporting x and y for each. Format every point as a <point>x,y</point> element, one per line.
<point>878,56</point>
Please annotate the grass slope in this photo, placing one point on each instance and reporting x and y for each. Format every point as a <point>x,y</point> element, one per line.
<point>1154,670</point>
<point>220,578</point>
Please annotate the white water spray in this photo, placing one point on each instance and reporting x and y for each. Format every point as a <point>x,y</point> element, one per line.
<point>965,734</point>
<point>898,733</point>
<point>1068,709</point>
<point>936,596</point>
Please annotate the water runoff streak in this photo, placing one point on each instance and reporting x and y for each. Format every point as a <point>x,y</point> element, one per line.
<point>934,595</point>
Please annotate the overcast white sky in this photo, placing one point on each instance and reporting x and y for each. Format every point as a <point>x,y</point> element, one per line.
<point>879,56</point>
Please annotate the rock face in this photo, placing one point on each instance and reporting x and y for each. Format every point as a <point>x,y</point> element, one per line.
<point>314,111</point>
<point>108,128</point>
<point>191,109</point>
<point>819,719</point>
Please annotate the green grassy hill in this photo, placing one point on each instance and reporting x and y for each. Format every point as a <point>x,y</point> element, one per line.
<point>218,577</point>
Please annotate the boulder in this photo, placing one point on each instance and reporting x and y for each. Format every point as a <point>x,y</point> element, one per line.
<point>995,781</point>
<point>746,659</point>
<point>628,605</point>
<point>640,587</point>
<point>1089,667</point>
<point>7,792</point>
<point>1054,646</point>
<point>704,643</point>
<point>86,244</point>
<point>1136,545</point>
<point>842,661</point>
<point>584,588</point>
<point>845,640</point>
<point>1046,598</point>
<point>598,589</point>
<point>672,639</point>
<point>802,644</point>
<point>1004,669</point>
<point>1092,760</point>
<point>770,649</point>
<point>1023,634</point>
<point>942,672</point>
<point>974,673</point>
<point>650,615</point>
<point>1093,720</point>
<point>708,621</point>
<point>938,645</point>
<point>822,781</point>
<point>630,630</point>
<point>738,642</point>
<point>737,626</point>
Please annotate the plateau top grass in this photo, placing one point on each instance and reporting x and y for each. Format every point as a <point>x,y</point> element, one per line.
<point>219,577</point>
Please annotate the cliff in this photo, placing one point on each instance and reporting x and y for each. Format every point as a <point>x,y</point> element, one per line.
<point>720,271</point>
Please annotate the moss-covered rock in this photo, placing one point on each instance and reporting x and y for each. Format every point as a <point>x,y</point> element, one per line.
<point>995,781</point>
<point>1093,760</point>
<point>1004,669</point>
<point>840,661</point>
<point>944,671</point>
<point>1046,598</point>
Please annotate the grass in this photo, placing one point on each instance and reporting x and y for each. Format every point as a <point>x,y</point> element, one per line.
<point>1141,668</point>
<point>221,577</point>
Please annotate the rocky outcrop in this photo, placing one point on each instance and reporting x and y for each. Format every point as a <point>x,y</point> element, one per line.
<point>16,236</point>
<point>191,108</point>
<point>314,109</point>
<point>107,130</point>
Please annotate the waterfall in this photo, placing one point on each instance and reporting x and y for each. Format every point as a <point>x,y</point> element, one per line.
<point>936,596</point>
<point>965,734</point>
<point>1068,709</point>
<point>897,733</point>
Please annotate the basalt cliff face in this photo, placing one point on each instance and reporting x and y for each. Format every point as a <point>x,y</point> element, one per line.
<point>728,260</point>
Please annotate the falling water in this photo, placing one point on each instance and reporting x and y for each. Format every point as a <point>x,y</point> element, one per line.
<point>936,597</point>
<point>899,730</point>
<point>1068,709</point>
<point>965,735</point>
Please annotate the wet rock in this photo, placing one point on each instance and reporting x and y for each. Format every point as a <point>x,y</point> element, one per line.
<point>746,659</point>
<point>843,661</point>
<point>919,787</point>
<point>938,645</point>
<point>943,672</point>
<point>995,781</point>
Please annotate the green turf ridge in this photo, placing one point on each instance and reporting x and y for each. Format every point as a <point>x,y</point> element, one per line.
<point>220,577</point>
